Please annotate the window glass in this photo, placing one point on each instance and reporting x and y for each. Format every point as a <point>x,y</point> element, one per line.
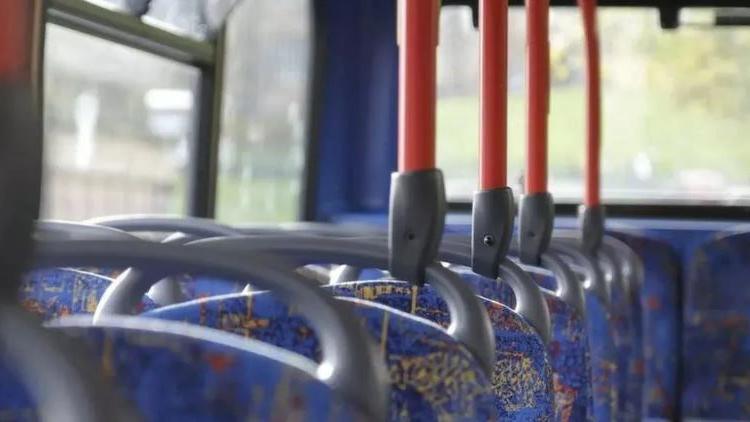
<point>265,101</point>
<point>180,16</point>
<point>118,124</point>
<point>675,106</point>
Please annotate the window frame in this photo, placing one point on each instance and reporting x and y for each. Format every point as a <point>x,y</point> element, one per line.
<point>735,213</point>
<point>206,56</point>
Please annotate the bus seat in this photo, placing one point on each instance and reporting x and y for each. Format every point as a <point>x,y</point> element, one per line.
<point>522,375</point>
<point>174,371</point>
<point>603,358</point>
<point>629,269</point>
<point>621,317</point>
<point>601,346</point>
<point>568,347</point>
<point>45,376</point>
<point>53,293</point>
<point>197,288</point>
<point>660,304</point>
<point>716,331</point>
<point>433,377</point>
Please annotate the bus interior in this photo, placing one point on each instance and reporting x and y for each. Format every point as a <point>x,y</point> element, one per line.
<point>337,210</point>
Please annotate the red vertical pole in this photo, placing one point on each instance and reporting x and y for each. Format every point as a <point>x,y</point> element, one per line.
<point>418,39</point>
<point>493,99</point>
<point>538,86</point>
<point>16,26</point>
<point>592,171</point>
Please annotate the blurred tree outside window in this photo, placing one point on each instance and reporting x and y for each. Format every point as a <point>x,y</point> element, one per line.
<point>674,107</point>
<point>118,125</point>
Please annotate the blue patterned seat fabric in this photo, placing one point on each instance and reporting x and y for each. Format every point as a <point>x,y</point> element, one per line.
<point>660,313</point>
<point>568,348</point>
<point>174,371</point>
<point>601,347</point>
<point>636,375</point>
<point>432,376</point>
<point>522,376</point>
<point>716,332</point>
<point>622,319</point>
<point>632,406</point>
<point>202,287</point>
<point>59,292</point>
<point>192,289</point>
<point>603,358</point>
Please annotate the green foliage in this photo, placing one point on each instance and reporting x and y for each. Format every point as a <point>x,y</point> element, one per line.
<point>675,107</point>
<point>706,70</point>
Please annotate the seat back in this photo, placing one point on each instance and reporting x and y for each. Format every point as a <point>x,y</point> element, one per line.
<point>174,371</point>
<point>601,338</point>
<point>716,331</point>
<point>631,278</point>
<point>603,358</point>
<point>46,376</point>
<point>433,377</point>
<point>568,347</point>
<point>621,316</point>
<point>522,376</point>
<point>206,287</point>
<point>59,292</point>
<point>660,307</point>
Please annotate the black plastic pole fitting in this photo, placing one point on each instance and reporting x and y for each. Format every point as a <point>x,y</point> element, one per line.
<point>492,216</point>
<point>536,217</point>
<point>415,223</point>
<point>591,220</point>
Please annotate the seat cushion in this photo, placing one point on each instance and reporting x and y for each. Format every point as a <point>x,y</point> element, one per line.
<point>174,371</point>
<point>716,331</point>
<point>432,376</point>
<point>522,377</point>
<point>53,293</point>
<point>568,348</point>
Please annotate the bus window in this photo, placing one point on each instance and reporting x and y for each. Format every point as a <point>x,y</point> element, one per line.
<point>118,124</point>
<point>673,105</point>
<point>264,112</point>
